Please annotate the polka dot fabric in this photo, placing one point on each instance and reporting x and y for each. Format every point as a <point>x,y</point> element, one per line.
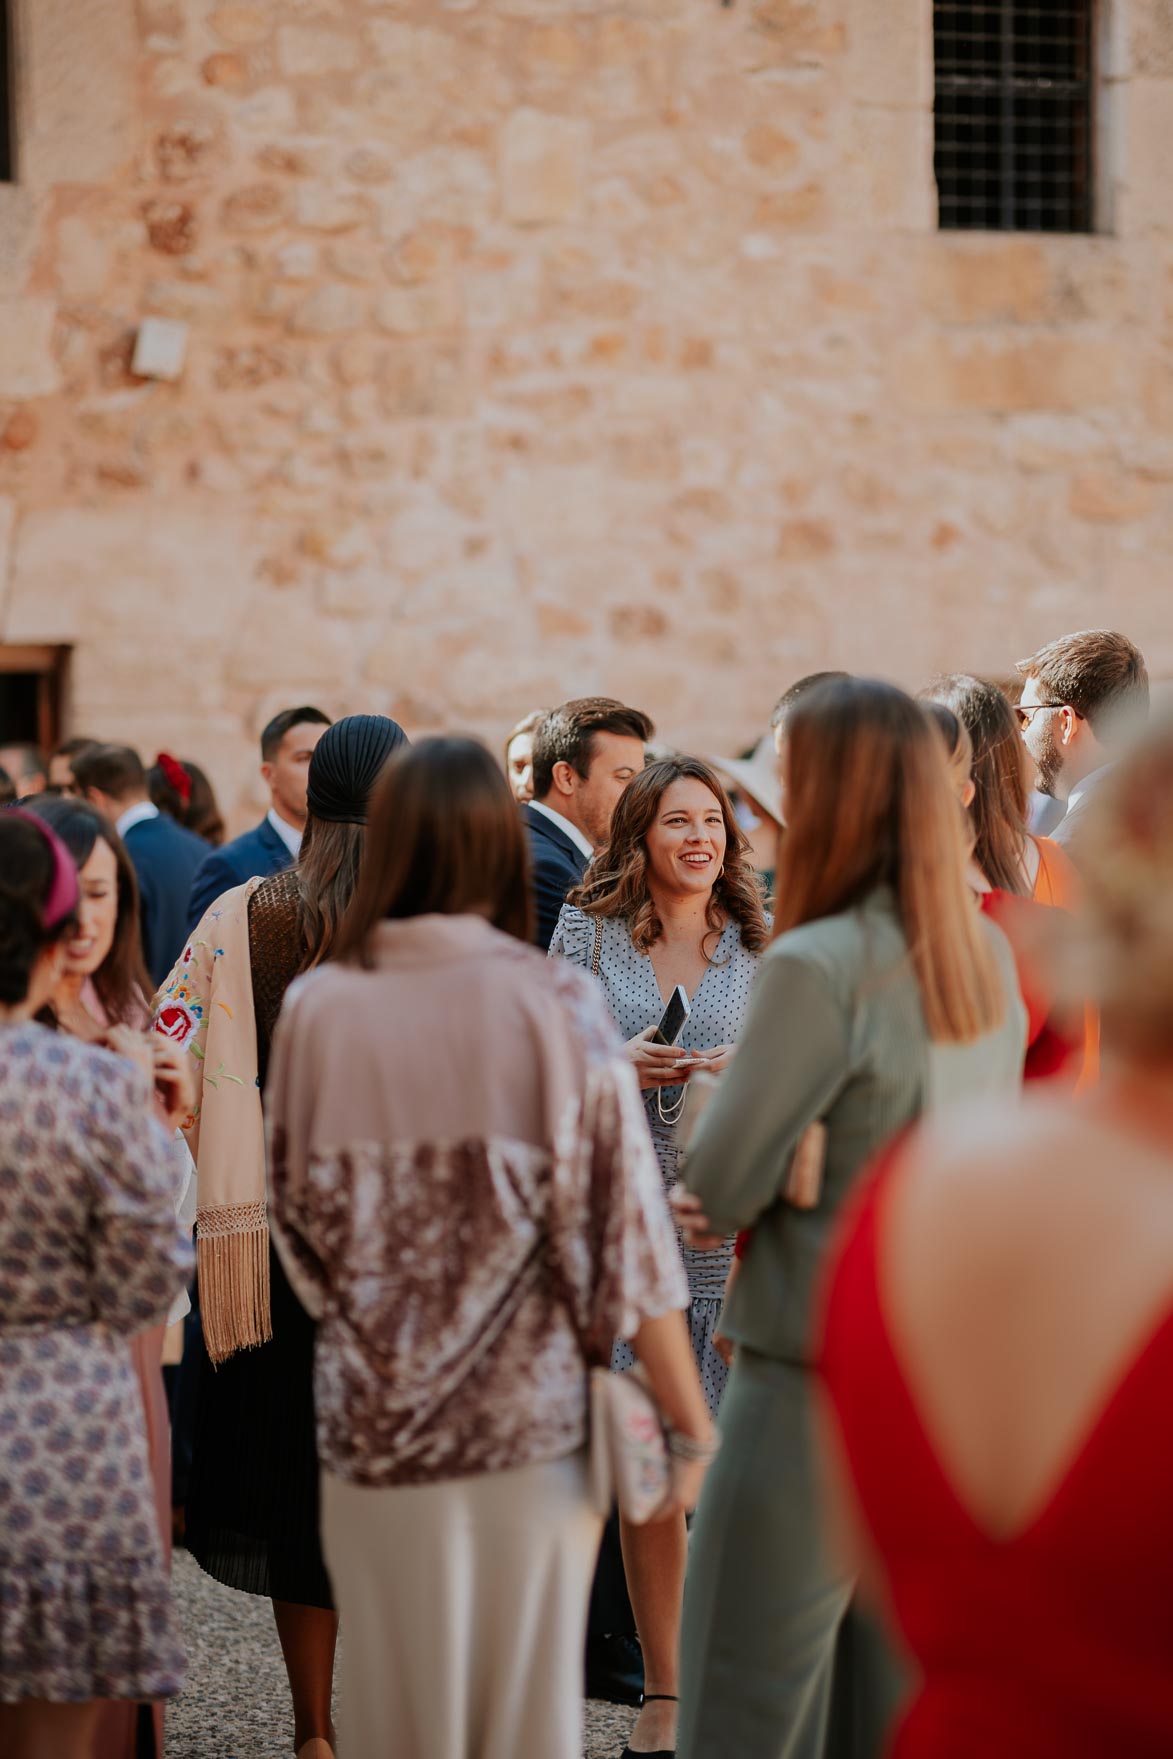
<point>90,1252</point>
<point>718,1014</point>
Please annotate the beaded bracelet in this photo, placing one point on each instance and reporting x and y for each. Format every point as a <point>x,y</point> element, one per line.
<point>699,1453</point>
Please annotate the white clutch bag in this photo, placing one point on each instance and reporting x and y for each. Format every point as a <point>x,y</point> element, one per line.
<point>629,1461</point>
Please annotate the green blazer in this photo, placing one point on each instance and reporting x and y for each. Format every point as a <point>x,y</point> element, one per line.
<point>835,1031</point>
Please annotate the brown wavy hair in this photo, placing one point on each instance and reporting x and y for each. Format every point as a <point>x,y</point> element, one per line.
<point>999,809</point>
<point>869,804</point>
<point>616,883</point>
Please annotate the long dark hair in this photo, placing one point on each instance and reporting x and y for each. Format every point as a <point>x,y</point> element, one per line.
<point>121,981</point>
<point>445,838</point>
<point>869,804</point>
<point>327,874</point>
<point>999,802</point>
<point>616,883</point>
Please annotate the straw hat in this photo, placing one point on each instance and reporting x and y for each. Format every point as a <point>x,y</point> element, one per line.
<point>755,776</point>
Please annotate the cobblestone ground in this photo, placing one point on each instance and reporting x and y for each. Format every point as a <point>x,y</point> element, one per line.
<point>235,1705</point>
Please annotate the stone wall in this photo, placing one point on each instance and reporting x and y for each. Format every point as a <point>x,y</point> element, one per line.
<point>537,347</point>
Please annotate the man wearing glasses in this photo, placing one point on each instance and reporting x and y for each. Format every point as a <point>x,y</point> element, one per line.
<point>1082,696</point>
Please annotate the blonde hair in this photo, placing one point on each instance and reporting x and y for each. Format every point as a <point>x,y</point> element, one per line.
<point>868,804</point>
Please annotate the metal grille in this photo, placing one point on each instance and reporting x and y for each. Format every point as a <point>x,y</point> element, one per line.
<point>1013,115</point>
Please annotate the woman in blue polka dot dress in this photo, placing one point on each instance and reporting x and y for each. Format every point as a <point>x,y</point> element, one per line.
<point>670,900</point>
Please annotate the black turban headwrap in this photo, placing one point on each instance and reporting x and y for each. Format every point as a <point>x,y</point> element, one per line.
<point>345,766</point>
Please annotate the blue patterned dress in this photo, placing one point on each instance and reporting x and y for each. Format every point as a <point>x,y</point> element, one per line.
<point>718,1014</point>
<point>90,1254</point>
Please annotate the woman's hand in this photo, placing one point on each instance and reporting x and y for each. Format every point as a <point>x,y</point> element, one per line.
<point>692,1221</point>
<point>716,1061</point>
<point>660,1065</point>
<point>174,1088</point>
<point>684,1488</point>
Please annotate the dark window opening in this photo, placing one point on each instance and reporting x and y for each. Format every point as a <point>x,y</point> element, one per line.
<point>7,97</point>
<point>33,683</point>
<point>1013,115</point>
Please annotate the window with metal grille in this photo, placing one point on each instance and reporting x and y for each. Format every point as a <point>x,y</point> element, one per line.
<point>1013,114</point>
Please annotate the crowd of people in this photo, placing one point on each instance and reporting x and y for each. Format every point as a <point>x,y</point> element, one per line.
<point>396,1060</point>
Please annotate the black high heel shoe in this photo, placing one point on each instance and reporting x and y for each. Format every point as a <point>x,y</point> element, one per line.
<point>660,1752</point>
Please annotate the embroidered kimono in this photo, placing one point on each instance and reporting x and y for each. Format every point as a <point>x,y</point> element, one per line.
<point>206,1004</point>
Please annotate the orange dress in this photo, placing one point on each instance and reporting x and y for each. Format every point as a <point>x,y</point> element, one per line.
<point>1057,883</point>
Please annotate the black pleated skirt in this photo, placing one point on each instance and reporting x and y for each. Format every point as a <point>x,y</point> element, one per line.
<point>252,1501</point>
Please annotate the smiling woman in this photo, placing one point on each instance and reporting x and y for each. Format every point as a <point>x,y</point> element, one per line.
<point>104,982</point>
<point>671,900</point>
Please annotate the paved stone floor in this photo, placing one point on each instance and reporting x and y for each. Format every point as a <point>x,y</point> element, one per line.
<point>235,1705</point>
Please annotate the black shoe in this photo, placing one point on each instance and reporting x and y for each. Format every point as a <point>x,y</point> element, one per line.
<point>660,1752</point>
<point>614,1669</point>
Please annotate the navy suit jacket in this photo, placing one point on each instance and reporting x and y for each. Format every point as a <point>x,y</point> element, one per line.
<point>165,857</point>
<point>258,852</point>
<point>558,866</point>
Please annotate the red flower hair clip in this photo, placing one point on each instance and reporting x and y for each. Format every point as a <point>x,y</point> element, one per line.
<point>177,776</point>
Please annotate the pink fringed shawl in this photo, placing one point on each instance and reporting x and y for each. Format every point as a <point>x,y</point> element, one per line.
<point>207,1004</point>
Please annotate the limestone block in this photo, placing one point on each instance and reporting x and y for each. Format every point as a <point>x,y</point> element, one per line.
<point>242,25</point>
<point>890,52</point>
<point>171,226</point>
<point>1150,29</point>
<point>84,258</point>
<point>1143,195</point>
<point>987,280</point>
<point>260,207</point>
<point>1107,496</point>
<point>414,55</point>
<point>295,262</point>
<point>311,49</point>
<point>325,208</point>
<point>165,558</point>
<point>186,148</point>
<point>543,167</point>
<point>771,149</point>
<point>1003,373</point>
<point>451,186</point>
<point>281,639</point>
<point>8,517</point>
<point>889,182</point>
<point>332,310</point>
<point>410,311</point>
<point>77,97</point>
<point>27,365</point>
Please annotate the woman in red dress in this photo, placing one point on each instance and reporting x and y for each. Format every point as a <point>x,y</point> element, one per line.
<point>998,1347</point>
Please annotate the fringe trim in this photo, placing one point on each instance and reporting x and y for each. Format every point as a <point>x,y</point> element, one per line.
<point>233,1271</point>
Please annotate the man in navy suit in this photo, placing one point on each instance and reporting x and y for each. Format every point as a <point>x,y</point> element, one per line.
<point>287,744</point>
<point>165,856</point>
<point>585,754</point>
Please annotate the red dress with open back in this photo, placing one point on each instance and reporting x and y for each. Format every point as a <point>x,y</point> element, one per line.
<point>1056,1643</point>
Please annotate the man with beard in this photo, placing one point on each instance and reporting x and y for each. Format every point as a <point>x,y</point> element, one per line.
<point>1082,697</point>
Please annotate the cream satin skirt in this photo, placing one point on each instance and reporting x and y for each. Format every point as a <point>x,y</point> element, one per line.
<point>463,1613</point>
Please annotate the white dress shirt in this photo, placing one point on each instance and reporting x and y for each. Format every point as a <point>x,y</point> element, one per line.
<point>289,835</point>
<point>135,815</point>
<point>568,830</point>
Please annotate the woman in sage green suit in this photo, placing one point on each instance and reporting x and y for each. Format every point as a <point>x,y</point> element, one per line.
<point>848,1027</point>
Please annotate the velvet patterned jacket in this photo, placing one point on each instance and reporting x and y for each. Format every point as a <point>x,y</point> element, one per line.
<point>464,1194</point>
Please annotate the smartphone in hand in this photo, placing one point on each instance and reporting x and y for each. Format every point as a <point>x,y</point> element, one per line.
<point>674,1017</point>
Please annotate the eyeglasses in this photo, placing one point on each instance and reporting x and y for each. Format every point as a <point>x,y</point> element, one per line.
<point>1024,714</point>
